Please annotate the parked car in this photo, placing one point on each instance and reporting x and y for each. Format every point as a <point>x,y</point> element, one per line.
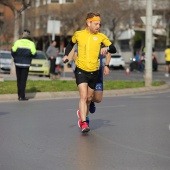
<point>5,61</point>
<point>116,61</point>
<point>40,65</point>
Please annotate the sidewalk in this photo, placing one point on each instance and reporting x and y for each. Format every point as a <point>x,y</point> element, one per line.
<point>75,94</point>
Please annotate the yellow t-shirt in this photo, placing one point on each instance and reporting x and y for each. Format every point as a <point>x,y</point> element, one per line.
<point>88,49</point>
<point>167,54</point>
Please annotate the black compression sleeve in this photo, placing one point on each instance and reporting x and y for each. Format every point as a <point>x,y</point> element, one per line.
<point>112,49</point>
<point>69,47</point>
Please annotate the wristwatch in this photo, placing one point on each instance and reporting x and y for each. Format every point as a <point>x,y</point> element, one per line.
<point>107,65</point>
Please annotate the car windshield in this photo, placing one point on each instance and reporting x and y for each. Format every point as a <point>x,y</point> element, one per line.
<point>40,55</point>
<point>5,55</point>
<point>115,56</point>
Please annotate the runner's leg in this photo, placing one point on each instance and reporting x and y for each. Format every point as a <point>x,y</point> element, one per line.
<point>83,99</point>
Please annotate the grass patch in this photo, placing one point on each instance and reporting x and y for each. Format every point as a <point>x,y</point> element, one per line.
<point>10,87</point>
<point>158,83</point>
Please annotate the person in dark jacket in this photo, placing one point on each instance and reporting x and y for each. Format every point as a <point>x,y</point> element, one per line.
<point>23,51</point>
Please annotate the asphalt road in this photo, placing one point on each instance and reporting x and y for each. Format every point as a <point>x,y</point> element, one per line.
<point>129,132</point>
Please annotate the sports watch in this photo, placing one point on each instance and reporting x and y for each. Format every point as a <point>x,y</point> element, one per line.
<point>107,65</point>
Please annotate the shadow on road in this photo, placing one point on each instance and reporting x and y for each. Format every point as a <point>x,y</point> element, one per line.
<point>98,123</point>
<point>3,113</point>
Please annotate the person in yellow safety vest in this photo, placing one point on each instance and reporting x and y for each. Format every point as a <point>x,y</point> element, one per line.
<point>23,51</point>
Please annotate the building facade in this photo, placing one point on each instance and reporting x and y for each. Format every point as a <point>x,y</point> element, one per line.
<point>62,14</point>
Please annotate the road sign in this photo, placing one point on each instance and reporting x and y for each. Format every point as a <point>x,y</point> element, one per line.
<point>154,19</point>
<point>53,26</point>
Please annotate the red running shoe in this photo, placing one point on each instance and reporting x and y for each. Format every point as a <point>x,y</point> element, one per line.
<point>79,117</point>
<point>85,128</point>
<point>80,123</point>
<point>78,114</point>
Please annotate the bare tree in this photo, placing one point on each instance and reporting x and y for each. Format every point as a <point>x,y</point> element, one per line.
<point>114,16</point>
<point>6,31</point>
<point>17,12</point>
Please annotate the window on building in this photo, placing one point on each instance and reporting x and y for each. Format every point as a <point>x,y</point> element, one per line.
<point>62,1</point>
<point>69,1</point>
<point>37,23</point>
<point>1,14</point>
<point>55,1</point>
<point>124,45</point>
<point>37,3</point>
<point>28,23</point>
<point>46,2</point>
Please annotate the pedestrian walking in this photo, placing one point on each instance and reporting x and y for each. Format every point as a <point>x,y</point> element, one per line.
<point>89,43</point>
<point>23,51</point>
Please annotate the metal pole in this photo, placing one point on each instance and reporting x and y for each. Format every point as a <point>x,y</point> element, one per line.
<point>148,42</point>
<point>167,32</point>
<point>23,20</point>
<point>53,34</point>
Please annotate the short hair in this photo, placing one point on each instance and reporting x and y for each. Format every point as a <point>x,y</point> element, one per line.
<point>53,41</point>
<point>26,33</point>
<point>92,14</point>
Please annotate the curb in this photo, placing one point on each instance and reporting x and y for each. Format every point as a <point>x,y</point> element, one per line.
<point>75,94</point>
<point>109,93</point>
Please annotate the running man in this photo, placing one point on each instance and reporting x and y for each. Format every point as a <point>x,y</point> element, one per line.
<point>89,42</point>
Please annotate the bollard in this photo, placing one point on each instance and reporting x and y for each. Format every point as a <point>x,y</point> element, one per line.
<point>127,71</point>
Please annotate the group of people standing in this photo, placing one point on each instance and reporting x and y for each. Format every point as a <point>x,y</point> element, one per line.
<point>138,62</point>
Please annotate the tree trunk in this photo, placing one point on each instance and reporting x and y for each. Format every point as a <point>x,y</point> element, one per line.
<point>16,37</point>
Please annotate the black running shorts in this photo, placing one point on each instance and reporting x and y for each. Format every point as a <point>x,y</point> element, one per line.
<point>86,77</point>
<point>99,83</point>
<point>167,63</point>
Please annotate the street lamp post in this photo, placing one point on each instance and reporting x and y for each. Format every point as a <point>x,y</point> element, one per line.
<point>148,42</point>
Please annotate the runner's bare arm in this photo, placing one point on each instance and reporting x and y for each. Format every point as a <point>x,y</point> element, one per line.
<point>106,67</point>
